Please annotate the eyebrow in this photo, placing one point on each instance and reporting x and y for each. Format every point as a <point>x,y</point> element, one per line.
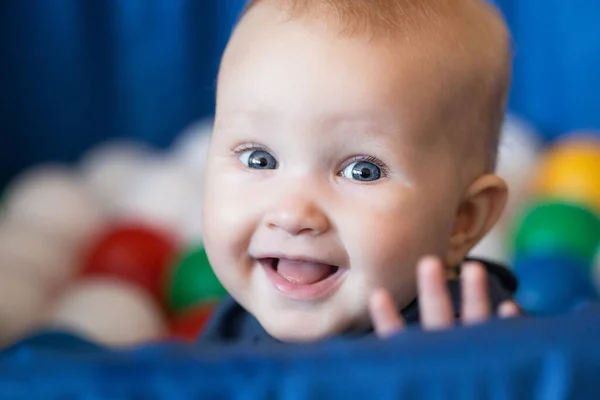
<point>369,123</point>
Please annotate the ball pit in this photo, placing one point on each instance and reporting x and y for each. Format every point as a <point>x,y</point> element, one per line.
<point>109,247</point>
<point>91,329</point>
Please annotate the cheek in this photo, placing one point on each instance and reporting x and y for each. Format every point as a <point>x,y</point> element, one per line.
<point>228,222</point>
<point>393,230</point>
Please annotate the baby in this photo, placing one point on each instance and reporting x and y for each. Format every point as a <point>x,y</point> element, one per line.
<point>351,168</point>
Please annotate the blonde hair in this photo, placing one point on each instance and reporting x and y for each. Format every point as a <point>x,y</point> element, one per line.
<point>471,35</point>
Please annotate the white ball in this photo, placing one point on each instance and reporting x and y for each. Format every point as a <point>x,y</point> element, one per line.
<point>111,167</point>
<point>191,228</point>
<point>190,149</point>
<point>163,195</point>
<point>492,247</point>
<point>520,143</point>
<point>22,301</point>
<point>518,154</point>
<point>108,311</point>
<point>38,255</point>
<point>53,200</point>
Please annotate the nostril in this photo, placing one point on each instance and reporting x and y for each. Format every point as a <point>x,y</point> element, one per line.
<point>295,219</point>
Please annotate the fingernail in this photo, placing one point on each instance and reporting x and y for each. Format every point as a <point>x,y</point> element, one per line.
<point>508,310</point>
<point>472,265</point>
<point>471,270</point>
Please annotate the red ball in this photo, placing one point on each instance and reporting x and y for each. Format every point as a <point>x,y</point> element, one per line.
<point>136,253</point>
<point>189,325</point>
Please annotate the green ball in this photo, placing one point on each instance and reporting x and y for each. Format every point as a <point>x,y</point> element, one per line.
<point>559,227</point>
<point>192,281</point>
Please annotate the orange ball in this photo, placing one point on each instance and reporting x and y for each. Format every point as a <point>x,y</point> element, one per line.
<point>571,171</point>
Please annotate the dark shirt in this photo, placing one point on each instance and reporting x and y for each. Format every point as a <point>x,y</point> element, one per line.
<point>232,324</point>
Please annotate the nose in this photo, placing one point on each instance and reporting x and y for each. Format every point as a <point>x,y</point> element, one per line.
<point>296,215</point>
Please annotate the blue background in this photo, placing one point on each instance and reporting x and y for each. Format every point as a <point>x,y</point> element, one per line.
<point>76,72</point>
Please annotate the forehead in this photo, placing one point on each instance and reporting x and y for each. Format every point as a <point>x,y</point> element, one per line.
<point>294,69</point>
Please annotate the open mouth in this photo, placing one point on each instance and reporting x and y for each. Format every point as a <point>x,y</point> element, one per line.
<point>301,272</point>
<point>301,279</point>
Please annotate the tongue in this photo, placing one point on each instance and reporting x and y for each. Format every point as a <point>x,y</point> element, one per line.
<point>303,272</point>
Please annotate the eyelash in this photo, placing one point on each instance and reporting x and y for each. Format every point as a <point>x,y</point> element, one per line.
<point>362,158</point>
<point>366,158</point>
<point>250,146</point>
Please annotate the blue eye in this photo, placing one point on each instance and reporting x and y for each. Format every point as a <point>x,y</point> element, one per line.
<point>258,159</point>
<point>362,171</point>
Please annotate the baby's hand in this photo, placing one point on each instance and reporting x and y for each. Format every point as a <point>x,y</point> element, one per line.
<point>435,305</point>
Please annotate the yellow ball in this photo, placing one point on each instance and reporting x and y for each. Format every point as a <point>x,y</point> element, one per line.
<point>571,171</point>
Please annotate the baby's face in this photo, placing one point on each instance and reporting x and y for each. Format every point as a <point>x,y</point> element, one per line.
<point>328,175</point>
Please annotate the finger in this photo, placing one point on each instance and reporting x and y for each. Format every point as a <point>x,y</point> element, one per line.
<point>508,309</point>
<point>384,314</point>
<point>475,300</point>
<point>435,305</point>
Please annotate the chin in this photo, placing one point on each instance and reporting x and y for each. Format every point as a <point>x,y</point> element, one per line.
<point>285,334</point>
<point>301,328</point>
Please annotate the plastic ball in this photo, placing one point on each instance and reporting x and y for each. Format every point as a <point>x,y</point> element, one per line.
<point>192,282</point>
<point>518,155</point>
<point>189,325</point>
<point>108,311</point>
<point>112,167</point>
<point>22,300</point>
<point>554,226</point>
<point>191,229</point>
<point>53,200</point>
<point>36,254</point>
<point>135,253</point>
<point>190,149</point>
<point>596,270</point>
<point>552,284</point>
<point>163,195</point>
<point>571,171</point>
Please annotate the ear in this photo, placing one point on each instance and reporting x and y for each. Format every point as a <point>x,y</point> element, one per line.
<point>480,209</point>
